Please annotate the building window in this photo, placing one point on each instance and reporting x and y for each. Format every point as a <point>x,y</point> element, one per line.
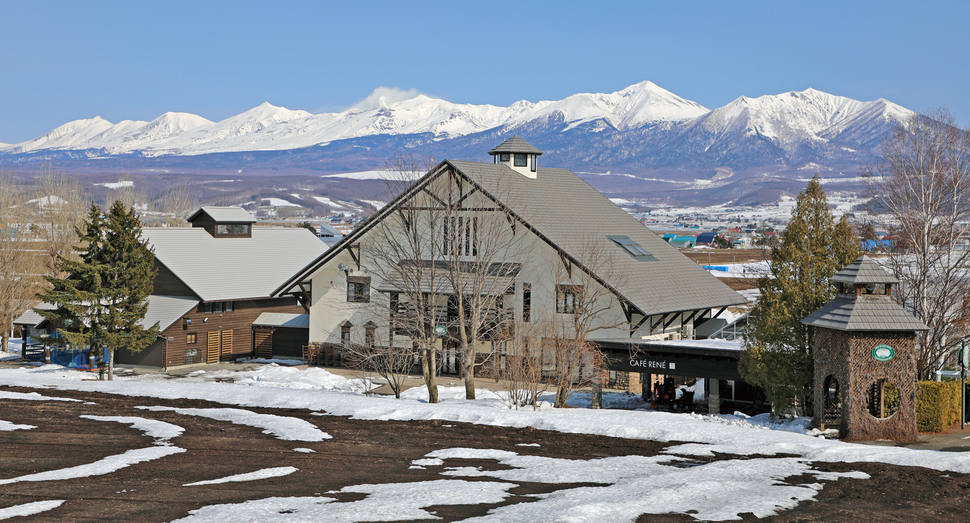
<point>345,333</point>
<point>526,302</point>
<point>503,157</point>
<point>532,166</point>
<point>218,306</point>
<point>240,229</point>
<point>521,160</point>
<point>223,230</point>
<point>461,237</point>
<point>191,338</point>
<point>567,297</point>
<point>370,335</point>
<point>358,289</point>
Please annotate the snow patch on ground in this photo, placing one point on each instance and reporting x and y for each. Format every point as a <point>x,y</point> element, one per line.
<point>283,427</point>
<point>8,426</point>
<point>29,509</point>
<point>98,468</point>
<point>275,472</point>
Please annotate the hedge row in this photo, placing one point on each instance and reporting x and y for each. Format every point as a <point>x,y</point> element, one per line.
<point>937,405</point>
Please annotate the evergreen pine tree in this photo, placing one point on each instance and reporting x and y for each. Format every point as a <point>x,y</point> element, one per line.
<point>77,294</point>
<point>104,295</point>
<point>778,355</point>
<point>128,272</point>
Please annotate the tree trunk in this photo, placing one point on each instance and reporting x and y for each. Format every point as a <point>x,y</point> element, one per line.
<point>428,366</point>
<point>5,339</point>
<point>596,396</point>
<point>111,364</point>
<point>468,368</point>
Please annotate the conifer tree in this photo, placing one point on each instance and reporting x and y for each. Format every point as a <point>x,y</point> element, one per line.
<point>103,297</point>
<point>778,353</point>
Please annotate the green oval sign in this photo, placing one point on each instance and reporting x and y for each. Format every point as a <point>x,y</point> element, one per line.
<point>441,330</point>
<point>883,352</point>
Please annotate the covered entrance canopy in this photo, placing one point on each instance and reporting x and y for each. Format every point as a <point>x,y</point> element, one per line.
<point>716,359</point>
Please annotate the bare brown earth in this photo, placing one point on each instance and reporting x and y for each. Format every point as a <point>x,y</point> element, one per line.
<point>360,452</point>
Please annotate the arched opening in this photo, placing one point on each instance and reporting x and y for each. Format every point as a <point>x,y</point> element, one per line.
<point>883,398</point>
<point>832,400</point>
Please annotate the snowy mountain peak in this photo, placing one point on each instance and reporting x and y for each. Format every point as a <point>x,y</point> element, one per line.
<point>789,119</point>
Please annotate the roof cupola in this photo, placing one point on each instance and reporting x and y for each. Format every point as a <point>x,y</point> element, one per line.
<point>519,155</point>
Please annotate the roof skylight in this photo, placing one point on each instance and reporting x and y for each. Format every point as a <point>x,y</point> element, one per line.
<point>633,248</point>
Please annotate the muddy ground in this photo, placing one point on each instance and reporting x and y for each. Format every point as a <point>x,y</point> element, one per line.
<point>360,452</point>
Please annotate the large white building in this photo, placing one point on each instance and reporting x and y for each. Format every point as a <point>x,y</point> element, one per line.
<point>542,234</point>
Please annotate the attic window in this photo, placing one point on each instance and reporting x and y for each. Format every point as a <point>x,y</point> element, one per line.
<point>503,157</point>
<point>632,248</point>
<point>521,160</point>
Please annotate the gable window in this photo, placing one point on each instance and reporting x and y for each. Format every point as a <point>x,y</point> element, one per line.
<point>358,289</point>
<point>567,298</point>
<point>521,160</point>
<point>461,236</point>
<point>191,338</point>
<point>632,248</point>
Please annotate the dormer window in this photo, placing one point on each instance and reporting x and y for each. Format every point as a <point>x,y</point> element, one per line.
<point>521,160</point>
<point>503,157</point>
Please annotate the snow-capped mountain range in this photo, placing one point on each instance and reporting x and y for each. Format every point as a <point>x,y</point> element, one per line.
<point>643,130</point>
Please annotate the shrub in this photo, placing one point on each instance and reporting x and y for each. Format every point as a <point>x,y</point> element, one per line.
<point>937,405</point>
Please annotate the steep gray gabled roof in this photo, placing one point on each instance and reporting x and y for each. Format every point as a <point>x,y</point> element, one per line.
<point>515,145</point>
<point>863,270</point>
<point>166,310</point>
<point>864,313</point>
<point>551,204</point>
<point>233,268</point>
<point>556,200</point>
<point>224,214</point>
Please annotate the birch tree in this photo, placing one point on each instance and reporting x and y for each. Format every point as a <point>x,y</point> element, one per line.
<point>923,180</point>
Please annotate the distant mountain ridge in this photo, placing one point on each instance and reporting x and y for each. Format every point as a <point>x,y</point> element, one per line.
<point>643,131</point>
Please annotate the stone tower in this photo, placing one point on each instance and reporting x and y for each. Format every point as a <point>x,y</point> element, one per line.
<point>864,348</point>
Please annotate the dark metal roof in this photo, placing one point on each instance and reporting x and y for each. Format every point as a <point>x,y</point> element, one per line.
<point>224,214</point>
<point>515,145</point>
<point>864,313</point>
<point>863,270</point>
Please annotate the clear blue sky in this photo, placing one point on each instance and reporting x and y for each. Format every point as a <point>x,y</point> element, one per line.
<point>62,61</point>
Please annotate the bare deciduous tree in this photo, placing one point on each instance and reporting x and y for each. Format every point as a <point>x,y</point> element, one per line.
<point>521,364</point>
<point>584,305</point>
<point>60,208</point>
<point>20,259</point>
<point>923,180</point>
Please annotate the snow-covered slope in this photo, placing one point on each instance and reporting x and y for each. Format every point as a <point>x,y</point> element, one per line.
<point>788,120</point>
<point>267,127</point>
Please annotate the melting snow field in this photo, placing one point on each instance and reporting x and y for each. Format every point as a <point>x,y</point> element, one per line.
<point>761,480</point>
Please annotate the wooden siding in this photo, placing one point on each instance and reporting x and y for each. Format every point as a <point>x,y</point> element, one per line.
<point>239,322</point>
